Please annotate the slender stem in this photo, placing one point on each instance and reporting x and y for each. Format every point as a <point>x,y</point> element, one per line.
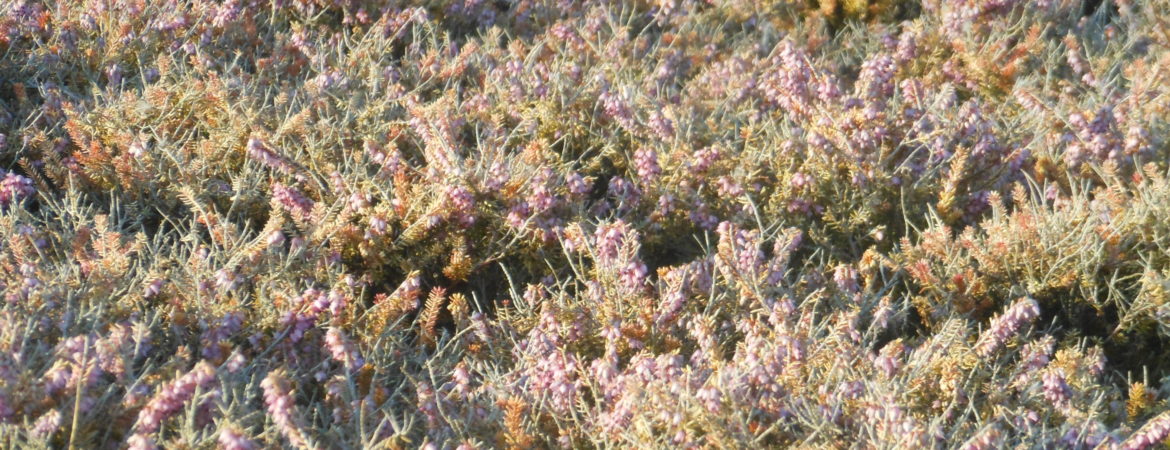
<point>77,395</point>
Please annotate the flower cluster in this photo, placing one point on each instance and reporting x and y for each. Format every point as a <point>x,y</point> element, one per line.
<point>172,396</point>
<point>1002,328</point>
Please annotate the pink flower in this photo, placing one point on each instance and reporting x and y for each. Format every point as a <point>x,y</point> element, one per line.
<point>983,440</point>
<point>14,188</point>
<point>281,407</point>
<point>231,438</point>
<point>1149,435</point>
<point>171,398</point>
<point>276,239</point>
<point>461,205</point>
<point>257,150</point>
<point>153,289</point>
<point>1022,312</point>
<point>141,442</point>
<point>662,127</point>
<point>462,378</point>
<point>800,180</point>
<point>47,423</point>
<point>704,158</point>
<point>227,279</point>
<point>342,350</point>
<point>292,200</point>
<point>1056,390</point>
<point>377,227</point>
<point>577,184</point>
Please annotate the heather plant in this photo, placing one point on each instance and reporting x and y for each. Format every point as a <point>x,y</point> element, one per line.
<point>543,223</point>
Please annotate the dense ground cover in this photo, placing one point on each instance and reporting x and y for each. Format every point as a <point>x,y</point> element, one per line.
<point>540,223</point>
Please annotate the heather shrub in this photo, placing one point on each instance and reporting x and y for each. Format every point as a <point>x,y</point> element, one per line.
<point>540,223</point>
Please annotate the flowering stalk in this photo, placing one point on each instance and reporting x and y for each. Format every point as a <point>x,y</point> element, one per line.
<point>1003,327</point>
<point>281,406</point>
<point>1149,435</point>
<point>170,398</point>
